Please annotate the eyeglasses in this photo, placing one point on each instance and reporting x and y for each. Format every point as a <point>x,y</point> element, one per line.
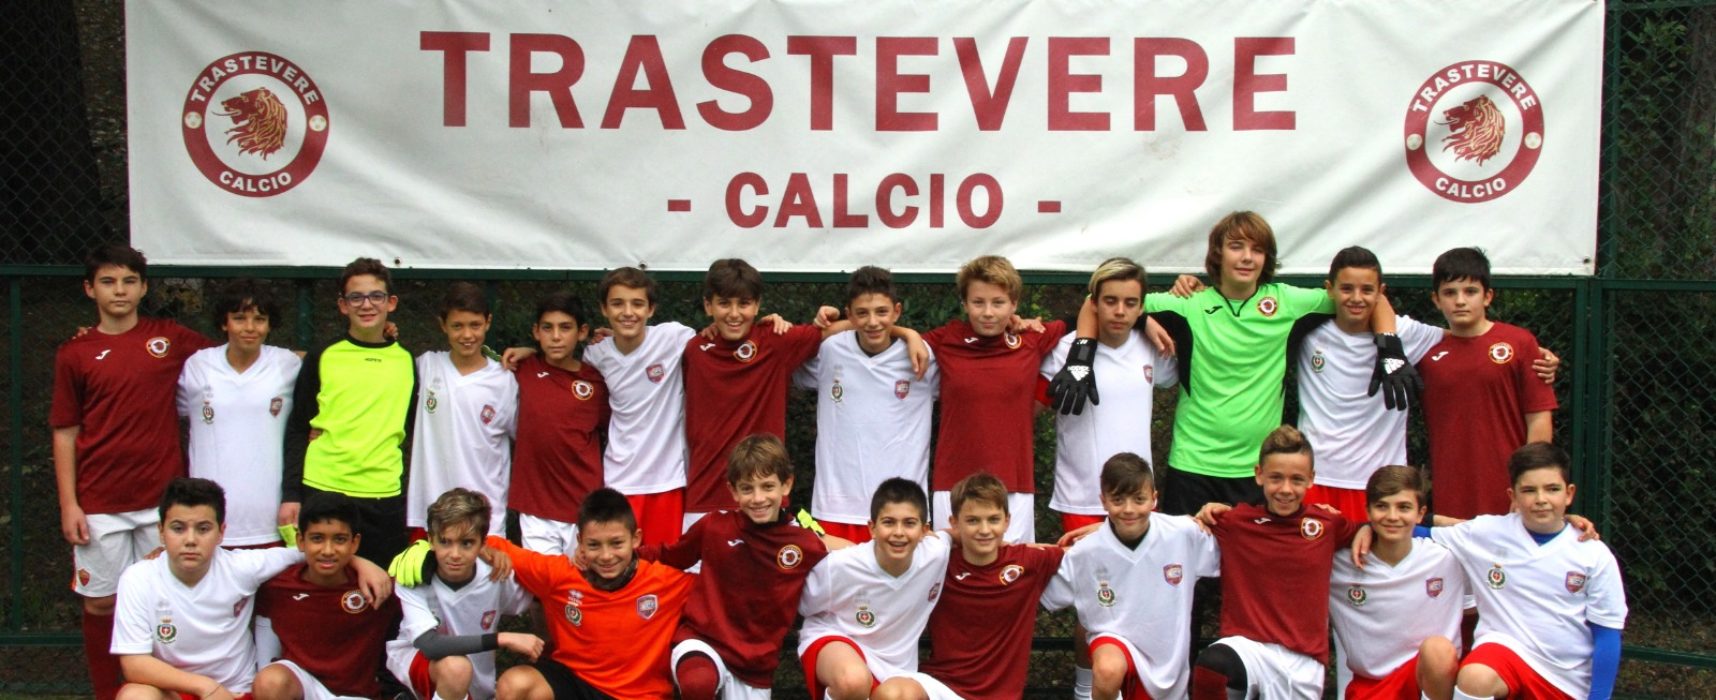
<point>358,298</point>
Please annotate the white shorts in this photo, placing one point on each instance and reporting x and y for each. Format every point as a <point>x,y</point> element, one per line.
<point>1274,671</point>
<point>730,687</point>
<point>547,536</point>
<point>116,541</point>
<point>1021,508</point>
<point>313,689</point>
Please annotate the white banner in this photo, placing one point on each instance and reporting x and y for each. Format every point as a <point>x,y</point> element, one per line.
<point>820,136</point>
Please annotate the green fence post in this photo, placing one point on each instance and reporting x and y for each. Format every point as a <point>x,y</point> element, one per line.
<point>15,399</point>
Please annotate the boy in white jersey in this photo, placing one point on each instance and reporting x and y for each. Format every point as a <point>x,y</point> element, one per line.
<point>1550,607</point>
<point>1396,619</point>
<point>865,607</point>
<point>237,398</point>
<point>467,413</point>
<point>872,410</point>
<point>182,623</point>
<point>447,640</point>
<point>646,454</point>
<point>1131,582</point>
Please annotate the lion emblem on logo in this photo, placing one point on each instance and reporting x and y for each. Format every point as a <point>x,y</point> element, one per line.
<point>1476,128</point>
<point>259,122</point>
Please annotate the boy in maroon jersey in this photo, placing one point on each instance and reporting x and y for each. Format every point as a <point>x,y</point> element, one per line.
<point>562,405</point>
<point>980,631</point>
<point>312,622</point>
<point>116,440</point>
<point>754,557</point>
<point>1481,401</point>
<point>1276,559</point>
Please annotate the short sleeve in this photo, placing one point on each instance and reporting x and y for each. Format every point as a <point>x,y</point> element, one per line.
<point>191,340</point>
<point>1302,301</point>
<point>815,596</point>
<point>133,628</point>
<point>1165,369</point>
<point>1607,604</point>
<point>534,571</point>
<point>514,600</point>
<point>1207,551</point>
<point>510,398</point>
<point>1050,339</point>
<point>677,333</point>
<point>190,381</point>
<point>1059,593</point>
<point>1056,357</point>
<point>253,567</point>
<point>1417,337</point>
<point>801,344</point>
<point>66,410</point>
<point>417,617</point>
<point>687,551</point>
<point>1534,395</point>
<point>806,375</point>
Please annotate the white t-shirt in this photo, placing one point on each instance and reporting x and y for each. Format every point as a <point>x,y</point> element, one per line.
<point>1142,595</point>
<point>1125,378</point>
<point>849,595</point>
<point>463,436</point>
<point>1353,434</point>
<point>1536,599</point>
<point>472,609</point>
<point>872,423</point>
<point>646,390</point>
<point>203,629</point>
<point>238,433</point>
<point>1382,613</point>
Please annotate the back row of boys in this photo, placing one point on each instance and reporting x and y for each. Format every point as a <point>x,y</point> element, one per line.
<point>355,399</point>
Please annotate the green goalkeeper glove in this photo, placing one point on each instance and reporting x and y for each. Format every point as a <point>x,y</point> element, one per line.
<point>407,568</point>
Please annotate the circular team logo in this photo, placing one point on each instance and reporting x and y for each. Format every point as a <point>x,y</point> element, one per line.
<point>574,615</point>
<point>1310,529</point>
<point>255,123</point>
<point>1496,577</point>
<point>583,390</point>
<point>1356,595</point>
<point>1474,131</point>
<point>274,406</point>
<point>1012,340</point>
<point>158,346</point>
<point>165,632</point>
<point>1267,306</point>
<point>865,617</point>
<point>1500,353</point>
<point>208,413</point>
<point>1104,594</point>
<point>1011,573</point>
<point>352,602</point>
<point>789,557</point>
<point>746,351</point>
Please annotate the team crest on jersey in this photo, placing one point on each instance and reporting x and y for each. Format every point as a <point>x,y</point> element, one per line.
<point>238,607</point>
<point>935,592</point>
<point>789,557</point>
<point>647,605</point>
<point>158,346</point>
<point>1433,587</point>
<point>574,614</point>
<point>1267,306</point>
<point>1104,594</point>
<point>1173,574</point>
<point>1356,595</point>
<point>901,389</point>
<point>655,373</point>
<point>83,577</point>
<point>488,619</point>
<point>1011,573</point>
<point>430,403</point>
<point>274,406</point>
<point>208,413</point>
<point>583,390</point>
<point>488,414</point>
<point>746,351</point>
<point>865,616</point>
<point>1311,529</point>
<point>1317,361</point>
<point>1150,374</point>
<point>1575,582</point>
<point>836,392</point>
<point>1500,353</point>
<point>352,602</point>
<point>165,632</point>
<point>1496,577</point>
<point>1012,340</point>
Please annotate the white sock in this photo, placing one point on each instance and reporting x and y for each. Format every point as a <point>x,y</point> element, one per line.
<point>1461,695</point>
<point>1081,683</point>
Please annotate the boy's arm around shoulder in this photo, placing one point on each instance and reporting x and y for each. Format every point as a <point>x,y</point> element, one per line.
<point>133,640</point>
<point>536,572</point>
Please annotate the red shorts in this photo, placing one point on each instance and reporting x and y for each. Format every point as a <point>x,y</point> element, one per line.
<point>1399,684</point>
<point>856,534</point>
<point>1070,522</point>
<point>1522,681</point>
<point>1350,502</point>
<point>419,678</point>
<point>1132,686</point>
<point>661,516</point>
<point>817,689</point>
<point>413,534</point>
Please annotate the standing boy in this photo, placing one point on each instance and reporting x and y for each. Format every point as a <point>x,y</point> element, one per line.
<point>315,633</point>
<point>1131,582</point>
<point>466,414</point>
<point>562,409</point>
<point>1481,401</point>
<point>645,457</point>
<point>616,617</point>
<point>351,412</point>
<point>237,398</point>
<point>872,411</point>
<point>116,440</point>
<point>864,607</point>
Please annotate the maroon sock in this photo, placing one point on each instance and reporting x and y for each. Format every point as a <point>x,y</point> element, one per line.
<point>697,677</point>
<point>1208,684</point>
<point>103,666</point>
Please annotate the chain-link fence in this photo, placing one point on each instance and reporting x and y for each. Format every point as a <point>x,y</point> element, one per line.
<point>1638,395</point>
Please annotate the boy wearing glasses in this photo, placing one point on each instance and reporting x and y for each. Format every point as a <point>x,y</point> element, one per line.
<point>351,411</point>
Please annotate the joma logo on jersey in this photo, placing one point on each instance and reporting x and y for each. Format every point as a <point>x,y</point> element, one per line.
<point>242,135</point>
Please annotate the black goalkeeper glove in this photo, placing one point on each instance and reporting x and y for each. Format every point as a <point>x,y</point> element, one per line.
<point>1395,375</point>
<point>1076,380</point>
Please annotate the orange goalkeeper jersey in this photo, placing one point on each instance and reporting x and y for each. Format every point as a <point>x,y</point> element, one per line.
<point>616,641</point>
